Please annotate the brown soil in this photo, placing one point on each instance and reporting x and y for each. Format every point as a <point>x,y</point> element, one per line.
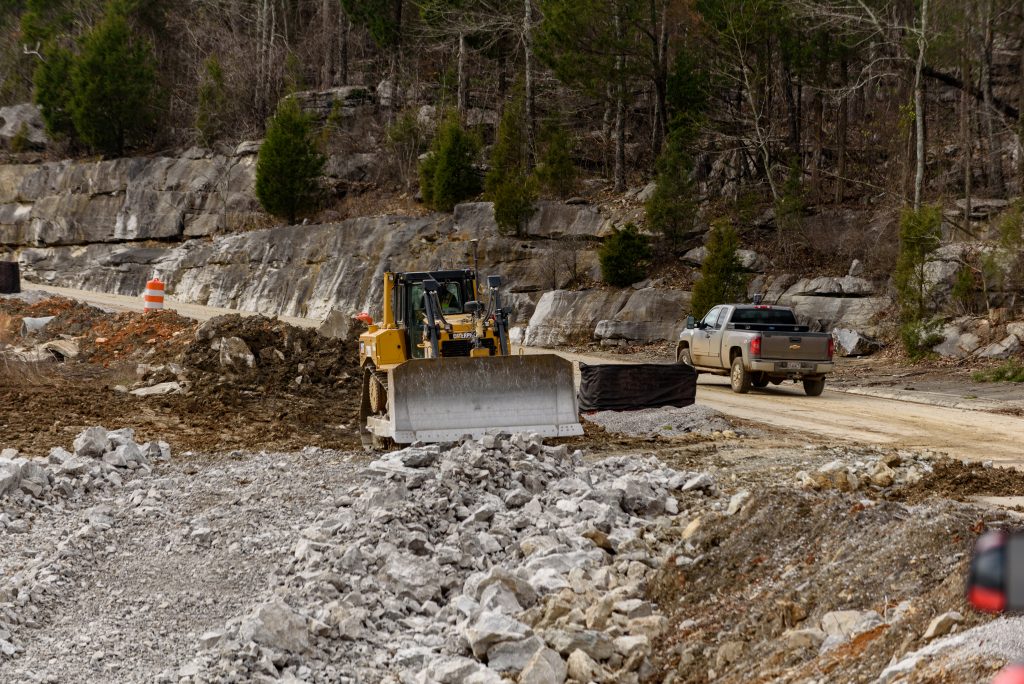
<point>953,479</point>
<point>788,558</point>
<point>263,408</point>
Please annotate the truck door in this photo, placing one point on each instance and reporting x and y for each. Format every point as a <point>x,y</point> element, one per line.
<point>716,333</point>
<point>702,338</point>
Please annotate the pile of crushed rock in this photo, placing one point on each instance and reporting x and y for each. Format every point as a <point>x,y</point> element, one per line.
<point>102,462</point>
<point>491,559</point>
<point>667,421</point>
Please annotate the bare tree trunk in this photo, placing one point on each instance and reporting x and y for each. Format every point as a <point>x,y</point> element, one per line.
<point>606,131</point>
<point>919,112</point>
<point>844,116</point>
<point>1020,104</point>
<point>660,56</point>
<point>529,95</point>
<point>328,29</point>
<point>995,167</point>
<point>346,27</point>
<point>462,98</point>
<point>620,115</point>
<point>966,139</point>
<point>818,113</point>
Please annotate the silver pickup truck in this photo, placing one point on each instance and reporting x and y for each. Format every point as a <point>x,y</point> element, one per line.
<point>756,344</point>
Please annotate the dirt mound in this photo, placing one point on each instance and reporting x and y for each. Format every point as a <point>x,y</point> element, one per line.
<point>953,479</point>
<point>284,357</point>
<point>787,559</point>
<point>155,336</point>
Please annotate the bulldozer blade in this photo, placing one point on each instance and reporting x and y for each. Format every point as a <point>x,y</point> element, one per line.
<point>436,400</point>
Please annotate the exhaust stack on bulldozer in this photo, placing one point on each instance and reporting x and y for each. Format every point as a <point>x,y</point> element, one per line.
<point>439,367</point>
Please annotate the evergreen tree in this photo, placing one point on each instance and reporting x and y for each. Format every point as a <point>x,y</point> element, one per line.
<point>624,256</point>
<point>555,170</point>
<point>672,208</point>
<point>447,175</point>
<point>722,277</point>
<point>289,164</point>
<point>507,183</point>
<point>382,18</point>
<point>114,87</point>
<point>53,92</point>
<point>212,109</point>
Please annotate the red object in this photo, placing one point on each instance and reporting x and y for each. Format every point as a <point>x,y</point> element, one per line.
<point>1011,674</point>
<point>763,306</point>
<point>831,347</point>
<point>755,346</point>
<point>364,317</point>
<point>987,600</point>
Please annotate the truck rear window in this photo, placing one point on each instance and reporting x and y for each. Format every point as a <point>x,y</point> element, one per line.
<point>764,316</point>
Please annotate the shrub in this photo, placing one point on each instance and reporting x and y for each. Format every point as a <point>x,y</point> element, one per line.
<point>1009,371</point>
<point>20,141</point>
<point>920,233</point>
<point>113,87</point>
<point>405,141</point>
<point>289,164</point>
<point>555,170</point>
<point>514,203</point>
<point>722,277</point>
<point>447,175</point>
<point>624,257</point>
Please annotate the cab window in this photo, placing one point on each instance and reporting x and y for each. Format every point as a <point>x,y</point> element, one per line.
<point>711,319</point>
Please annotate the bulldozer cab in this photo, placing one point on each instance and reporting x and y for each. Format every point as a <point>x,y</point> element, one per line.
<point>457,288</point>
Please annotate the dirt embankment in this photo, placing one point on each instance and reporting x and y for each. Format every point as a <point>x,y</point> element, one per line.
<point>300,390</point>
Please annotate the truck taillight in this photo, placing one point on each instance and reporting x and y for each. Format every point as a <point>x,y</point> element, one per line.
<point>831,347</point>
<point>755,346</point>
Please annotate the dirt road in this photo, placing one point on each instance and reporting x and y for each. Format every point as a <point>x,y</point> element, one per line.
<point>839,416</point>
<point>855,418</point>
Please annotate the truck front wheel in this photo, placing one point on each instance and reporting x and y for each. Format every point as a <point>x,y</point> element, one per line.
<point>683,356</point>
<point>813,387</point>
<point>739,378</point>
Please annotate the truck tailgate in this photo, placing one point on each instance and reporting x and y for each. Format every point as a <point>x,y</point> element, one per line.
<point>795,346</point>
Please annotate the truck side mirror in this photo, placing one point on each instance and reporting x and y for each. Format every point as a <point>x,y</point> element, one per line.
<point>690,324</point>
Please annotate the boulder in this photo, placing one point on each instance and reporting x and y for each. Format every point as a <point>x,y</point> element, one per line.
<point>276,625</point>
<point>24,122</point>
<point>959,337</point>
<point>562,315</point>
<point>696,256</point>
<point>546,667</point>
<point>513,656</point>
<point>492,628</point>
<point>1003,349</point>
<point>92,443</point>
<point>649,315</point>
<point>235,354</point>
<point>853,343</point>
<point>846,624</point>
<point>941,625</point>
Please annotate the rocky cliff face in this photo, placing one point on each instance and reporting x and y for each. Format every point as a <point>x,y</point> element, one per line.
<point>194,221</point>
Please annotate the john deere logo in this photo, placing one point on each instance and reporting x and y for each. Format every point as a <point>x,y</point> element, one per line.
<point>794,346</point>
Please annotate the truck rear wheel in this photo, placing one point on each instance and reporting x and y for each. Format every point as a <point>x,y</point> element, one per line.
<point>759,380</point>
<point>813,387</point>
<point>739,378</point>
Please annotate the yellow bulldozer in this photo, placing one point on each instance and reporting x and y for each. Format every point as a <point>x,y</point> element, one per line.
<point>438,366</point>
